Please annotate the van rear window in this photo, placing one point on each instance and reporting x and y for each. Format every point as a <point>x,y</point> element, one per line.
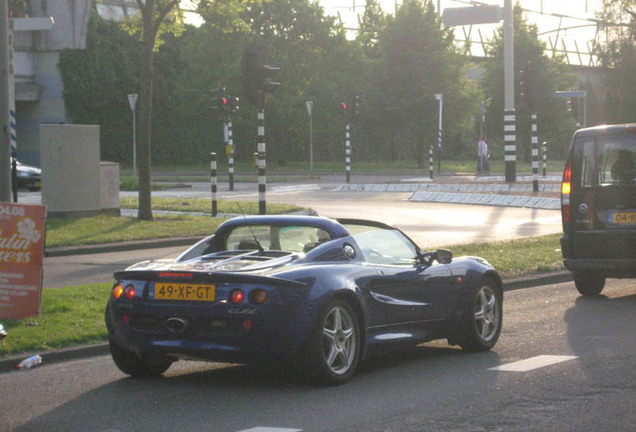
<point>605,160</point>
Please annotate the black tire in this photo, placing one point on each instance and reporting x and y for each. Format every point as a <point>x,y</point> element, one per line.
<point>589,284</point>
<point>332,355</point>
<point>129,363</point>
<point>482,317</point>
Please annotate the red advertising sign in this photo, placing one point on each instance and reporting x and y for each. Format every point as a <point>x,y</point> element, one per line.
<point>21,259</point>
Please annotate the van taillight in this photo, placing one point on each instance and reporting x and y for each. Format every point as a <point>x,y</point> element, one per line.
<point>566,187</point>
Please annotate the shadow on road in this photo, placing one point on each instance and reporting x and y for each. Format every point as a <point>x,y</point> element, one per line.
<point>228,398</point>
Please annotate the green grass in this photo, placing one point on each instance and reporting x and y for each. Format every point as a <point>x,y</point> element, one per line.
<point>74,315</point>
<point>70,316</point>
<point>106,229</point>
<point>520,256</point>
<point>204,205</point>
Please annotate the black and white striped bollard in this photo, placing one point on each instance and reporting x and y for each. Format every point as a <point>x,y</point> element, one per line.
<point>544,150</point>
<point>430,161</point>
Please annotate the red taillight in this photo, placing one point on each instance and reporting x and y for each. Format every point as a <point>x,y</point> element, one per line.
<point>566,188</point>
<point>117,291</point>
<point>129,292</point>
<point>258,296</point>
<point>247,324</point>
<point>125,318</point>
<point>236,296</point>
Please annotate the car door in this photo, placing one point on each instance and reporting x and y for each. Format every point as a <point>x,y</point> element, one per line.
<point>415,294</point>
<point>410,290</point>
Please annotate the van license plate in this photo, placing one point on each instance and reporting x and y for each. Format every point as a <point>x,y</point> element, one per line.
<point>622,218</point>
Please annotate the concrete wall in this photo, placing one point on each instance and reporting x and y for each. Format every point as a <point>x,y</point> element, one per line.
<point>70,169</point>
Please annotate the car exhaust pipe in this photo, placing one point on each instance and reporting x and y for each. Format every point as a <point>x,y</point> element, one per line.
<point>177,325</point>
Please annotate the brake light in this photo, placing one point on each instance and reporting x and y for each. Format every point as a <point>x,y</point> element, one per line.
<point>258,296</point>
<point>129,292</point>
<point>175,275</point>
<point>236,296</point>
<point>566,188</point>
<point>117,291</point>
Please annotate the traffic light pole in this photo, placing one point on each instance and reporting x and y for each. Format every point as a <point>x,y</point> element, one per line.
<point>262,179</point>
<point>213,183</point>
<point>347,150</point>
<point>230,153</point>
<point>5,140</point>
<point>535,154</point>
<point>510,145</point>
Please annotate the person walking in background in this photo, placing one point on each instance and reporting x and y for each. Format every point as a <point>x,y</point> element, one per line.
<point>483,166</point>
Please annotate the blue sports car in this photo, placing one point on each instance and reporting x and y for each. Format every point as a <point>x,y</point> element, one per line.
<point>317,292</point>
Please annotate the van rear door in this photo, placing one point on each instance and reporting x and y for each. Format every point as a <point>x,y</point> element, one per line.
<point>602,201</point>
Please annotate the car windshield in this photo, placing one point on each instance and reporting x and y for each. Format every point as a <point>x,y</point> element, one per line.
<point>607,160</point>
<point>383,246</point>
<point>273,237</point>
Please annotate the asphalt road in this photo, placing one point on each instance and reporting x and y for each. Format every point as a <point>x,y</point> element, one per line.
<point>579,376</point>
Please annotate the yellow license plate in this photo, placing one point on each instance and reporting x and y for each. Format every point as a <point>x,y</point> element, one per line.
<point>182,291</point>
<point>622,218</point>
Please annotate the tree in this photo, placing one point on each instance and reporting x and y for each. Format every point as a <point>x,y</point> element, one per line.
<point>371,25</point>
<point>154,18</point>
<point>416,60</point>
<point>618,56</point>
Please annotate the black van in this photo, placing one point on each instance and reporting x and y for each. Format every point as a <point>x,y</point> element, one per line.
<point>598,206</point>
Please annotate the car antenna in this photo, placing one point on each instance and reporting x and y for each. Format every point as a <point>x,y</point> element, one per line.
<point>260,247</point>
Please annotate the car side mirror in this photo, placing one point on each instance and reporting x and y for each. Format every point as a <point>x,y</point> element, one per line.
<point>444,256</point>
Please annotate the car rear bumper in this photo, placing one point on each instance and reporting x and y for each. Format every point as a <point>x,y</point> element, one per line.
<point>618,268</point>
<point>224,338</point>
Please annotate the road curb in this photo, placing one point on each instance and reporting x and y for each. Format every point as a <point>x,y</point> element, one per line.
<point>75,353</point>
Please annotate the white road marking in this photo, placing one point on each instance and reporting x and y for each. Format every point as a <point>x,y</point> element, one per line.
<point>270,429</point>
<point>533,363</point>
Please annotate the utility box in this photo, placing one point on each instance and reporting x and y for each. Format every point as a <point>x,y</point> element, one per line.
<point>71,179</point>
<point>109,188</point>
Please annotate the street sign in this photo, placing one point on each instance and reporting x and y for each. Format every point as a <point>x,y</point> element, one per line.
<point>571,94</point>
<point>310,106</point>
<point>132,100</point>
<point>484,14</point>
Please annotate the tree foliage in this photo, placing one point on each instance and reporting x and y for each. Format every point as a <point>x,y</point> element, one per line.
<point>396,65</point>
<point>618,55</point>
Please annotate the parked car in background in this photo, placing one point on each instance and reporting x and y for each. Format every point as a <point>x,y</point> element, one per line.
<point>319,293</point>
<point>29,177</point>
<point>598,203</point>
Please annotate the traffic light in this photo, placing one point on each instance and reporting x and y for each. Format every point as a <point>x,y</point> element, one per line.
<point>353,105</point>
<point>233,105</point>
<point>219,100</point>
<point>268,72</point>
<point>258,77</point>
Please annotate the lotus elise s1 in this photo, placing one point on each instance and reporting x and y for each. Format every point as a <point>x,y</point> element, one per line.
<point>320,293</point>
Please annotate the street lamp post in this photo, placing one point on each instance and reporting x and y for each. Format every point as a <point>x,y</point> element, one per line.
<point>310,109</point>
<point>132,100</point>
<point>440,97</point>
